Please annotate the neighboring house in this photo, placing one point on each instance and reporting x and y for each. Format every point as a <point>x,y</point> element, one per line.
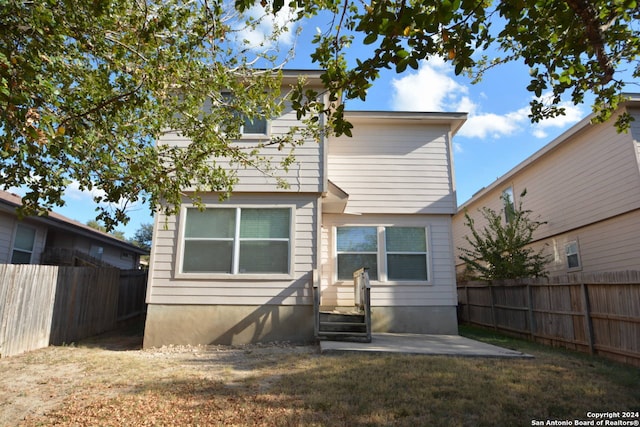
<point>242,270</point>
<point>586,185</point>
<point>55,239</point>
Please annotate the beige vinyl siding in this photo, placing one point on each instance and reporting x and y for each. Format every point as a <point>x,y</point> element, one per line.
<point>394,167</point>
<point>305,175</point>
<point>610,245</point>
<point>165,288</point>
<point>634,131</point>
<point>591,178</point>
<point>440,291</point>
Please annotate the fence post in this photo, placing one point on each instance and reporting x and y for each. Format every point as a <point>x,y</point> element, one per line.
<point>532,325</point>
<point>587,316</point>
<point>493,307</point>
<point>466,291</point>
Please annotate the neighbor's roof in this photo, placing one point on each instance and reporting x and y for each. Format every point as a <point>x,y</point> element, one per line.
<point>9,202</point>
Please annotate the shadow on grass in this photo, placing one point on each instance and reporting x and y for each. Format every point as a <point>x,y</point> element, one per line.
<point>287,385</point>
<point>373,390</point>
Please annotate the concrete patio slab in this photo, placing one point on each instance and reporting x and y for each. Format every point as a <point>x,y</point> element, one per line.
<point>446,345</point>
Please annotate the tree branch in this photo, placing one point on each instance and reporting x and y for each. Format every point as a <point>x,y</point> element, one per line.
<point>593,30</point>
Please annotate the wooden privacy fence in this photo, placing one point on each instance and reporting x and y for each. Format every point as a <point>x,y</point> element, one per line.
<point>132,293</point>
<point>596,313</point>
<point>43,305</point>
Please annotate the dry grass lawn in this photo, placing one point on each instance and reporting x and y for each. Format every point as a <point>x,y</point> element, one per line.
<point>111,382</point>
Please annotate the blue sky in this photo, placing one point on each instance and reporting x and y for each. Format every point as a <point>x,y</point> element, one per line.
<point>497,136</point>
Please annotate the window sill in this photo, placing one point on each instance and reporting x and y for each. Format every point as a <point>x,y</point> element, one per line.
<point>254,136</point>
<point>389,283</point>
<point>262,277</point>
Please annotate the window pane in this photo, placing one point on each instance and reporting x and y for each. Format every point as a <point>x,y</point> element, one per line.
<point>96,251</point>
<point>348,263</point>
<point>255,125</point>
<point>509,206</point>
<point>24,238</point>
<point>216,222</point>
<point>264,223</point>
<point>407,267</point>
<point>406,239</point>
<point>357,239</point>
<point>572,261</point>
<point>207,256</point>
<point>264,257</point>
<point>20,257</point>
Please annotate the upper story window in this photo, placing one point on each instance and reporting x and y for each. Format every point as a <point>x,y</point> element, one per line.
<point>237,240</point>
<point>251,126</point>
<point>254,126</point>
<point>23,244</point>
<point>573,255</point>
<point>508,204</point>
<point>390,253</point>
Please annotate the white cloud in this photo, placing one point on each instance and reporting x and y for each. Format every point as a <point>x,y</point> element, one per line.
<point>74,192</point>
<point>494,125</point>
<point>433,88</point>
<point>74,195</point>
<point>261,36</point>
<point>573,114</point>
<point>430,89</point>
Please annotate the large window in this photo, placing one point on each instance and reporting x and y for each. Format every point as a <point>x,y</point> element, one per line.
<point>237,241</point>
<point>390,253</point>
<point>23,245</point>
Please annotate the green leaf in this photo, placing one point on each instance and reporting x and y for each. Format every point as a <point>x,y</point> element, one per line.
<point>370,38</point>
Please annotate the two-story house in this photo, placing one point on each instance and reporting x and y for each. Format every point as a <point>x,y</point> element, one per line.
<point>241,270</point>
<point>585,185</point>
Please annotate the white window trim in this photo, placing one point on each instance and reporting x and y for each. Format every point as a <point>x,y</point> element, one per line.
<point>179,274</point>
<point>566,258</point>
<point>13,242</point>
<point>382,254</point>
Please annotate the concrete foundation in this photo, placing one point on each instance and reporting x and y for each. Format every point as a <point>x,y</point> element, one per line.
<point>439,320</point>
<point>226,324</point>
<point>232,325</point>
